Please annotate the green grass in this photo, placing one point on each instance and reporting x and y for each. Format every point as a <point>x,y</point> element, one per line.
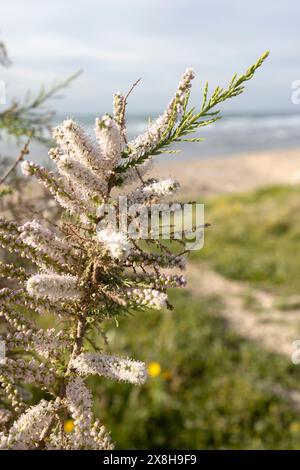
<point>255,237</point>
<point>214,391</point>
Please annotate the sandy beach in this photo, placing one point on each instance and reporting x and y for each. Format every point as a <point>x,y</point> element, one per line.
<point>213,176</point>
<point>233,174</point>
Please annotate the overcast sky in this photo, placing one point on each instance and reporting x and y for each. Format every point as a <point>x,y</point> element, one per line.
<point>117,41</point>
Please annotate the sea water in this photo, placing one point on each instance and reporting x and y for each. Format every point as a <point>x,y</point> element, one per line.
<point>232,135</point>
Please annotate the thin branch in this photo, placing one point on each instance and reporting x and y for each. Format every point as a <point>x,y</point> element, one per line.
<point>4,58</point>
<point>24,151</point>
<point>29,118</point>
<point>132,88</point>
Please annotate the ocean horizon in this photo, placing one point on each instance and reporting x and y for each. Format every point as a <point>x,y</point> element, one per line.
<point>231,135</point>
<point>234,134</point>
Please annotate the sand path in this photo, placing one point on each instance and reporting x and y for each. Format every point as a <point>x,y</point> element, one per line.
<point>273,329</point>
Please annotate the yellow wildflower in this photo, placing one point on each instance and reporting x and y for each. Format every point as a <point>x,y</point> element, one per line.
<point>69,425</point>
<point>154,369</point>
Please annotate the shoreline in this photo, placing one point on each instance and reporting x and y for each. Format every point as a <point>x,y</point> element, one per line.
<point>218,175</point>
<point>242,172</point>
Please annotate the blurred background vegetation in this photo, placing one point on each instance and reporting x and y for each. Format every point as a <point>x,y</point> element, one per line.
<point>212,383</point>
<point>209,386</point>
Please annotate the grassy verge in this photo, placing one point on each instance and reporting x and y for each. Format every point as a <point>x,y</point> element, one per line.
<point>256,237</point>
<point>213,389</point>
<point>210,388</point>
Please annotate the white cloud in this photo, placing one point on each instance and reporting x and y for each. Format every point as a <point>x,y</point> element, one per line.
<point>116,42</point>
<point>61,48</point>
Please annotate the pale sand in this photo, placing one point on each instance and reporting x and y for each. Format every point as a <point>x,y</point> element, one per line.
<point>209,176</point>
<point>233,174</point>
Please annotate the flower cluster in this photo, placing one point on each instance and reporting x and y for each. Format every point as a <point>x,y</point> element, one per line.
<point>148,297</point>
<point>46,241</point>
<point>27,429</point>
<point>88,434</point>
<point>116,243</point>
<point>54,286</point>
<point>151,138</point>
<point>81,270</point>
<point>114,367</point>
<point>154,189</point>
